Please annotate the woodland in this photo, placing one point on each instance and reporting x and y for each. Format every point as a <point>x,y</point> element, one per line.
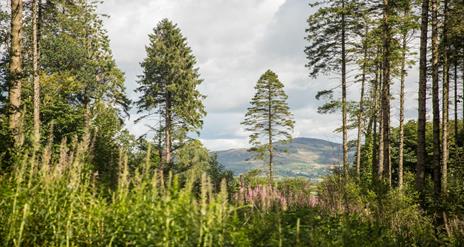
<point>72,174</point>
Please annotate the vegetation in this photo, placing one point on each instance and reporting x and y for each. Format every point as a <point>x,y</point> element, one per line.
<point>61,203</point>
<point>269,118</point>
<point>169,86</point>
<point>70,174</point>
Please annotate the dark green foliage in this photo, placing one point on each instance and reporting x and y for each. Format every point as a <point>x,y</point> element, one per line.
<point>82,90</point>
<point>218,173</point>
<point>192,160</point>
<point>108,140</point>
<point>451,203</point>
<point>75,47</point>
<point>169,82</point>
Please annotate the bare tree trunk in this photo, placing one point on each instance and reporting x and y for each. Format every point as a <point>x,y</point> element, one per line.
<point>344,110</point>
<point>15,70</point>
<point>375,114</point>
<point>386,90</point>
<point>456,100</point>
<point>36,79</point>
<point>375,162</point>
<point>167,132</point>
<point>361,104</point>
<point>422,101</point>
<point>270,133</point>
<point>445,102</point>
<point>160,144</point>
<point>380,150</point>
<point>368,144</point>
<point>402,81</point>
<point>435,101</point>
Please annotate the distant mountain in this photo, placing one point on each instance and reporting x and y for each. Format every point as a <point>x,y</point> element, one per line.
<point>303,157</point>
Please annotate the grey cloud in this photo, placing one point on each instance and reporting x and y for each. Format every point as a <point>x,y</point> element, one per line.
<point>285,36</point>
<point>235,41</point>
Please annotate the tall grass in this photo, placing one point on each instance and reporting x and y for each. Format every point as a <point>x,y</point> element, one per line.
<point>58,201</point>
<point>61,204</point>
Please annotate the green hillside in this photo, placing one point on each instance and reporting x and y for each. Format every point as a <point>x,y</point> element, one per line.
<point>303,157</point>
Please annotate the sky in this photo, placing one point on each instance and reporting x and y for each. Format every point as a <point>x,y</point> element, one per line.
<point>234,41</point>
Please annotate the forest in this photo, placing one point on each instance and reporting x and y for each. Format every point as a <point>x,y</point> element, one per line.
<point>73,174</point>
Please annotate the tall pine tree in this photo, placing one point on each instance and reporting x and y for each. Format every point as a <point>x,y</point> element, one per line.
<point>268,119</point>
<point>328,33</point>
<point>422,100</point>
<point>169,86</point>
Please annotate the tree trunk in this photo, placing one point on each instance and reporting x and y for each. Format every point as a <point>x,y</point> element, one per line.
<point>36,79</point>
<point>375,94</point>
<point>15,70</point>
<point>422,100</point>
<point>160,144</point>
<point>344,110</point>
<point>168,132</point>
<point>87,93</point>
<point>361,104</point>
<point>375,162</point>
<point>456,100</point>
<point>386,91</point>
<point>86,105</point>
<point>402,81</point>
<point>445,102</point>
<point>379,149</point>
<point>435,101</point>
<point>270,131</point>
<point>366,155</point>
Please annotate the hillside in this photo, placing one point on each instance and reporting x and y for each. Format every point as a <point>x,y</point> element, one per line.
<point>303,157</point>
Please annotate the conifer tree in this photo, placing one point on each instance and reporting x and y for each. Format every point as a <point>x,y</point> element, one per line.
<point>268,118</point>
<point>385,102</point>
<point>436,165</point>
<point>169,86</point>
<point>328,33</point>
<point>374,98</point>
<point>422,99</point>
<point>407,25</point>
<point>445,100</point>
<point>363,64</point>
<point>455,37</point>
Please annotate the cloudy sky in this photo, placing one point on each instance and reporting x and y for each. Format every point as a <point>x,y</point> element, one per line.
<point>235,41</point>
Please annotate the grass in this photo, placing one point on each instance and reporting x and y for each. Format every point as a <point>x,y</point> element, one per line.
<point>63,205</point>
<point>59,202</point>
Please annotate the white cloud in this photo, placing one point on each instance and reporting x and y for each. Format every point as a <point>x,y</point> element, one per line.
<point>224,144</point>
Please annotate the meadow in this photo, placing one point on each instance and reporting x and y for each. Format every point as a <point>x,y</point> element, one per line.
<point>60,202</point>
